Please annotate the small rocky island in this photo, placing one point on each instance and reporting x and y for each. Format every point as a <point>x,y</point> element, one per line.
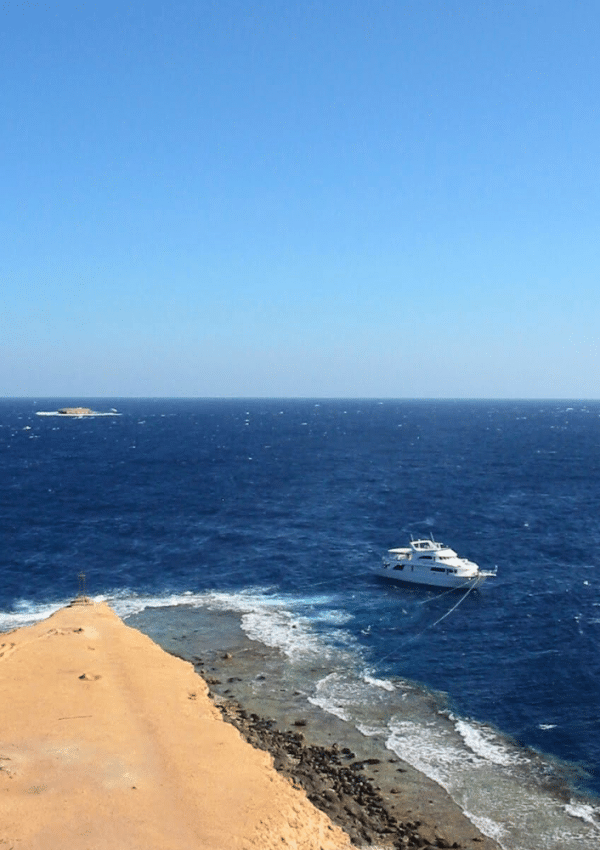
<point>76,412</point>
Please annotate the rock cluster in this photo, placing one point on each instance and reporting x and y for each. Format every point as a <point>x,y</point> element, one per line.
<point>334,782</point>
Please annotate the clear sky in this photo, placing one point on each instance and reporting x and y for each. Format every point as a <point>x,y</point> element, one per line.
<point>360,198</point>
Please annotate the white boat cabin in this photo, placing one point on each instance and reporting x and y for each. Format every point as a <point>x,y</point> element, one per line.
<point>431,563</point>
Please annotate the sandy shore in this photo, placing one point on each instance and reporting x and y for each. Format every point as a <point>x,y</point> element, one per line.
<point>107,741</point>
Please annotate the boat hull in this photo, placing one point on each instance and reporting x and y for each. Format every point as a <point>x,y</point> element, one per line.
<point>426,578</point>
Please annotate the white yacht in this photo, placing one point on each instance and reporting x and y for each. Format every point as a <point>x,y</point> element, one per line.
<point>432,563</point>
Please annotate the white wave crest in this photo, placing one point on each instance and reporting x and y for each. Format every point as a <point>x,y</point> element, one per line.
<point>370,731</point>
<point>26,614</point>
<point>489,827</point>
<point>484,742</point>
<point>282,630</point>
<point>584,812</point>
<point>327,698</point>
<point>429,749</point>
<point>379,683</point>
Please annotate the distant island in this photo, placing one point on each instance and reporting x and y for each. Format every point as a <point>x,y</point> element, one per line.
<point>76,412</point>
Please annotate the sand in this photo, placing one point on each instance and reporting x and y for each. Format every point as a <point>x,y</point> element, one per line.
<point>109,742</point>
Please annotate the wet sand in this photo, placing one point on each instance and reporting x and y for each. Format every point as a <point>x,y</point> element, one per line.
<point>107,741</point>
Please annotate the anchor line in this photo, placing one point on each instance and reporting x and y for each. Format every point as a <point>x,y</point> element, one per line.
<point>446,592</point>
<point>454,607</point>
<point>443,617</point>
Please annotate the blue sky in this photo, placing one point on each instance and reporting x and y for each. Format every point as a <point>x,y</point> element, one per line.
<point>359,199</point>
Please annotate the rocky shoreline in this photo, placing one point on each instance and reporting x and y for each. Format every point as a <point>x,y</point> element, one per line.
<point>336,782</point>
<point>364,787</point>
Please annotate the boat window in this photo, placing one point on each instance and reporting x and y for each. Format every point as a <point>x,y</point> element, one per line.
<point>399,567</point>
<point>438,570</point>
<point>426,558</point>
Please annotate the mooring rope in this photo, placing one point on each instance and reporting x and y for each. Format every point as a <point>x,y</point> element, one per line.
<point>445,592</point>
<point>454,607</point>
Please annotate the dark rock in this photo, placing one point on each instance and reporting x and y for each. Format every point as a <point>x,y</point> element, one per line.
<point>340,789</point>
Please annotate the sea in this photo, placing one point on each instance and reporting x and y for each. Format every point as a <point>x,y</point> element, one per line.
<point>275,513</point>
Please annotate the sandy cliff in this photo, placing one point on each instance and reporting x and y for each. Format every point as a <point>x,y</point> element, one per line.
<point>109,742</point>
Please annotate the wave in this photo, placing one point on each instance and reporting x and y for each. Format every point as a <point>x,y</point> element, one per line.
<point>508,792</point>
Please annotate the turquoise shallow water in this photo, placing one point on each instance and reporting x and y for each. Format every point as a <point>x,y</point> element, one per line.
<point>277,513</point>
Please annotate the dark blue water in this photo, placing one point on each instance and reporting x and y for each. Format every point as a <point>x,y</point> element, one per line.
<point>300,499</point>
